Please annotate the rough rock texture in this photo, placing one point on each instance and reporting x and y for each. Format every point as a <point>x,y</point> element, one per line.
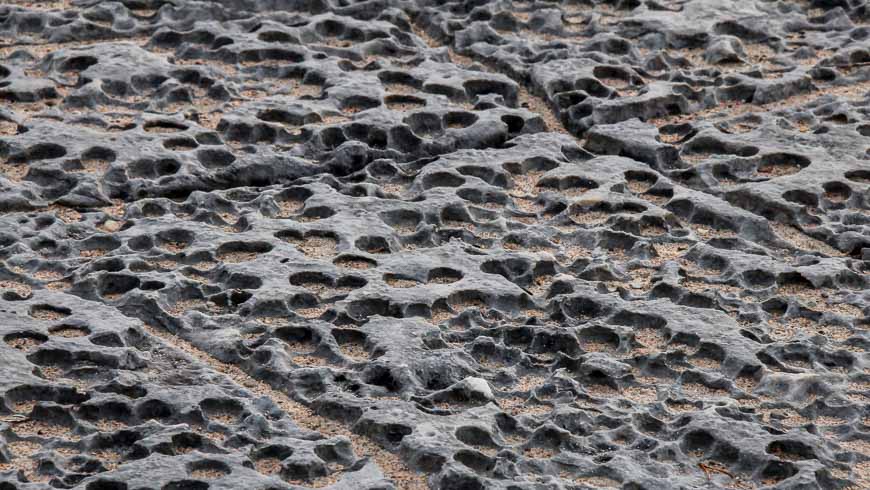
<point>383,244</point>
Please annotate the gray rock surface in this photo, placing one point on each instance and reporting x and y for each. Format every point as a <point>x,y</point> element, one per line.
<point>434,244</point>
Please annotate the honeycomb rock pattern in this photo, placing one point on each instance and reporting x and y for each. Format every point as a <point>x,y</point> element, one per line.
<point>455,245</point>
